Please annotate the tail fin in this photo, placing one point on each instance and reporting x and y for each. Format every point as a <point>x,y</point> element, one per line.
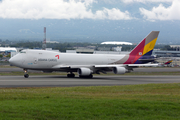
<point>168,62</point>
<point>146,46</point>
<point>143,49</point>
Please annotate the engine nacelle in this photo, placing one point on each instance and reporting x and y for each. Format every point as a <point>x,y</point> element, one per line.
<point>84,71</point>
<point>119,70</point>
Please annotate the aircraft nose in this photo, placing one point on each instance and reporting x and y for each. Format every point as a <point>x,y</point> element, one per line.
<point>14,61</point>
<point>11,60</point>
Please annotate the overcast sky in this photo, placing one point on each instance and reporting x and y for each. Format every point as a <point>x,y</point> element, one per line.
<point>81,9</point>
<point>92,19</point>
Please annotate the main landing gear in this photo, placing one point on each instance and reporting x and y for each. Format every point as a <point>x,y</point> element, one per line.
<point>71,75</point>
<point>26,73</point>
<point>89,76</point>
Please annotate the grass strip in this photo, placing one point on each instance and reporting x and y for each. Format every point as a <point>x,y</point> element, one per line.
<point>149,101</point>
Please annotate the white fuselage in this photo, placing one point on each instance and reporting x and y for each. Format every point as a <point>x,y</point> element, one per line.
<point>42,59</point>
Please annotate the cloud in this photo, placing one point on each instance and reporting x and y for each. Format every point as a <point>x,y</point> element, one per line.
<point>162,13</point>
<point>57,9</point>
<point>25,31</point>
<point>114,14</point>
<point>145,1</point>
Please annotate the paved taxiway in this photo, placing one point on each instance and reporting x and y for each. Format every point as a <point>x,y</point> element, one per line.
<point>62,81</point>
<point>103,80</point>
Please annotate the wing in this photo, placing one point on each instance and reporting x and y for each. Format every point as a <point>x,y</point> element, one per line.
<point>116,68</point>
<point>124,68</point>
<point>71,66</point>
<point>128,65</point>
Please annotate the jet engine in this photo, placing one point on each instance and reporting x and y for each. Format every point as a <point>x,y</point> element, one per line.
<point>84,71</point>
<point>119,70</point>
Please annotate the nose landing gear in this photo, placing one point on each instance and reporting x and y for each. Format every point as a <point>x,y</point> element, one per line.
<point>26,73</point>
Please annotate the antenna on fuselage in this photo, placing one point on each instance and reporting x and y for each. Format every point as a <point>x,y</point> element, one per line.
<point>44,40</point>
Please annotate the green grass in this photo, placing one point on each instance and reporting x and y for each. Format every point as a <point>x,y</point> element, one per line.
<point>150,101</point>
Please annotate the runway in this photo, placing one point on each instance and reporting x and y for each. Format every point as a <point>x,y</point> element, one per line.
<point>62,81</point>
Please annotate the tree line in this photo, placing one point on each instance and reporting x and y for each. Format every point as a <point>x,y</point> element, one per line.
<point>72,46</point>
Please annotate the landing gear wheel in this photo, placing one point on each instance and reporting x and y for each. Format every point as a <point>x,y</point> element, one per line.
<point>89,76</point>
<point>70,75</point>
<point>80,76</point>
<point>26,75</point>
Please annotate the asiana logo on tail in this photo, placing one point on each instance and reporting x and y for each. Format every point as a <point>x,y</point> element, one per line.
<point>140,53</point>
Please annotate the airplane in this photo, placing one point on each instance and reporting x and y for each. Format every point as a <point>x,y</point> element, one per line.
<point>86,64</point>
<point>167,64</point>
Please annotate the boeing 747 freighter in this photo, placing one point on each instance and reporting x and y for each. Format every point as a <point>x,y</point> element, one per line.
<point>86,64</point>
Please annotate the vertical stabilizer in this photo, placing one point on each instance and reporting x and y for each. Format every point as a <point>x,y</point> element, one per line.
<point>143,49</point>
<point>168,62</point>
